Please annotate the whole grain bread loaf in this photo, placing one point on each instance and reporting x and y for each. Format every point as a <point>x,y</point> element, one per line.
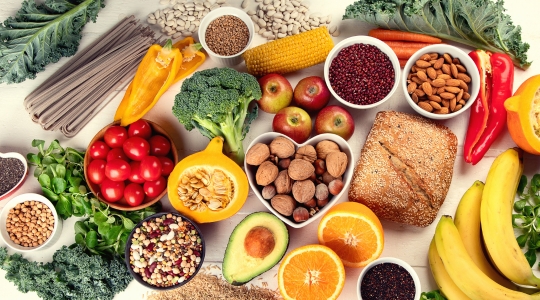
<point>405,168</point>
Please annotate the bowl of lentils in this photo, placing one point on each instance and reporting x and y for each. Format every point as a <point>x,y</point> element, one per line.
<point>165,251</point>
<point>225,33</point>
<point>388,278</point>
<point>362,72</point>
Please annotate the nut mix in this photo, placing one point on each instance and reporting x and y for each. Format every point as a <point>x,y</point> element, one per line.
<point>439,83</point>
<point>298,182</point>
<point>30,223</point>
<point>166,250</point>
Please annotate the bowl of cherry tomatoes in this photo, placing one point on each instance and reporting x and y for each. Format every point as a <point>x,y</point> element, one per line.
<point>127,167</point>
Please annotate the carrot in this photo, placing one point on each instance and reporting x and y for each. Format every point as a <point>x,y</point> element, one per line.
<point>403,62</point>
<point>397,35</point>
<point>415,45</point>
<point>404,52</point>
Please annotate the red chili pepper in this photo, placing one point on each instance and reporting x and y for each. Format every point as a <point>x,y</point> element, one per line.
<point>488,115</point>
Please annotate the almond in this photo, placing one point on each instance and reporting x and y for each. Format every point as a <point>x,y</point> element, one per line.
<point>461,68</point>
<point>453,104</point>
<point>422,75</point>
<point>456,61</point>
<point>458,107</point>
<point>431,73</point>
<point>416,79</point>
<point>426,87</point>
<point>462,102</point>
<point>447,58</point>
<point>452,82</point>
<point>463,85</point>
<point>447,95</point>
<point>446,69</point>
<point>464,77</point>
<point>444,76</point>
<point>440,90</point>
<point>452,89</point>
<point>425,106</point>
<point>434,55</point>
<point>425,57</point>
<point>411,87</point>
<point>419,92</point>
<point>414,97</point>
<point>466,96</point>
<point>442,111</point>
<point>435,98</point>
<point>439,82</point>
<point>437,65</point>
<point>445,103</point>
<point>435,105</point>
<point>454,70</point>
<point>459,96</point>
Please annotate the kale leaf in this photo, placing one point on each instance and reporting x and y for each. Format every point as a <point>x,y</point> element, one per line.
<point>478,23</point>
<point>40,34</point>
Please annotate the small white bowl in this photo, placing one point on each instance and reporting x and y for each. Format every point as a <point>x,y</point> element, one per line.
<point>466,61</point>
<point>19,183</point>
<point>362,39</point>
<point>57,229</point>
<point>266,138</point>
<point>233,60</point>
<point>393,260</point>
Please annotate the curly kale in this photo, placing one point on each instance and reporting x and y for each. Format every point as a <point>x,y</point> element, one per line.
<point>216,102</point>
<point>73,274</point>
<point>480,24</point>
<point>40,34</point>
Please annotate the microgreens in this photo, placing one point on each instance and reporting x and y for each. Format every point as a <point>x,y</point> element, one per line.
<point>527,216</point>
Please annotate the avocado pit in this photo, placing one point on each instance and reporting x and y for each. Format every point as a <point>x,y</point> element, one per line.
<point>259,242</point>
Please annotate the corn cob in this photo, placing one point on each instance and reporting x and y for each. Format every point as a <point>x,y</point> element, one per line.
<point>290,53</point>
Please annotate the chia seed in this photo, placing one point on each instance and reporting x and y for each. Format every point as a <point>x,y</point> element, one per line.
<point>11,172</point>
<point>362,74</point>
<point>227,35</point>
<point>387,281</point>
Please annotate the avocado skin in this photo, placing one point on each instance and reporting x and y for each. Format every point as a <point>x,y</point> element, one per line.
<point>239,268</point>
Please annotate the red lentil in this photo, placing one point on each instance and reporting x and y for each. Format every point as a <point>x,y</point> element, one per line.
<point>166,251</point>
<point>387,281</point>
<point>361,74</point>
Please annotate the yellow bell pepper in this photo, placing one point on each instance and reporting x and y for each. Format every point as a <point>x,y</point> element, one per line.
<point>192,57</point>
<point>523,118</point>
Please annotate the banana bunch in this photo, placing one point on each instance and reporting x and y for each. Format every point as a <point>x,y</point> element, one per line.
<point>456,257</point>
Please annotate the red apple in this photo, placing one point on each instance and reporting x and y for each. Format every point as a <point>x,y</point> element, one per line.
<point>293,122</point>
<point>335,119</point>
<point>276,93</point>
<point>311,93</point>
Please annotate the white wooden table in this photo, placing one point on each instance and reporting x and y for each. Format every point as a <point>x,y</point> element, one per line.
<point>406,242</point>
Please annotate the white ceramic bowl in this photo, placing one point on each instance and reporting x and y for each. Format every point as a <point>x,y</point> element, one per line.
<point>393,260</point>
<point>466,61</point>
<point>19,183</point>
<point>57,229</point>
<point>233,60</point>
<point>266,138</point>
<point>362,39</point>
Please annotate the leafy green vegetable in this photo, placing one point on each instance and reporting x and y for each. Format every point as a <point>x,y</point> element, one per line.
<point>72,274</point>
<point>40,34</point>
<point>432,295</point>
<point>216,102</point>
<point>527,216</point>
<point>478,23</point>
<point>60,173</point>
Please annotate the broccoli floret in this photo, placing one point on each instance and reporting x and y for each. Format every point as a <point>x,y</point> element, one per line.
<point>217,102</point>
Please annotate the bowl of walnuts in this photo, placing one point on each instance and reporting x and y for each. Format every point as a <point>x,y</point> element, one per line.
<point>299,182</point>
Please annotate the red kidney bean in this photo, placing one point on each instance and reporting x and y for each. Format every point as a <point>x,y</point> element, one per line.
<point>147,272</point>
<point>152,267</point>
<point>150,246</point>
<point>155,234</point>
<point>361,74</point>
<point>168,221</point>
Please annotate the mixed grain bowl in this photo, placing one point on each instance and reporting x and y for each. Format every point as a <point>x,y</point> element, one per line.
<point>165,251</point>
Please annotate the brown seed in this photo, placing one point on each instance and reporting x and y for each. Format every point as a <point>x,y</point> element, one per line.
<point>411,87</point>
<point>446,69</point>
<point>452,82</point>
<point>431,73</point>
<point>447,58</point>
<point>453,104</point>
<point>425,106</point>
<point>425,57</point>
<point>435,105</point>
<point>464,77</point>
<point>439,82</point>
<point>435,98</point>
<point>453,89</point>
<point>438,64</point>
<point>422,63</point>
<point>461,68</point>
<point>426,87</point>
<point>422,75</point>
<point>442,111</point>
<point>453,70</point>
<point>447,95</point>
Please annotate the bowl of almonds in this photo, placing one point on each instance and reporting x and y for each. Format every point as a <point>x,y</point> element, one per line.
<point>440,81</point>
<point>29,222</point>
<point>299,182</point>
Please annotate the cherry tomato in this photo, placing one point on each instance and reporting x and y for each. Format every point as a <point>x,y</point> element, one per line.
<point>134,194</point>
<point>167,165</point>
<point>140,128</point>
<point>150,168</point>
<point>154,188</point>
<point>115,136</point>
<point>117,153</point>
<point>99,150</point>
<point>117,170</point>
<point>112,191</point>
<point>159,145</point>
<point>135,175</point>
<point>96,171</point>
<point>136,148</point>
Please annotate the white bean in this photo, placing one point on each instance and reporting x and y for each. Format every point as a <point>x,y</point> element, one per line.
<point>191,18</point>
<point>151,21</point>
<point>187,24</point>
<point>187,33</point>
<point>266,2</point>
<point>220,1</point>
<point>171,23</point>
<point>207,4</point>
<point>271,13</point>
<point>281,35</point>
<point>164,2</point>
<point>332,29</point>
<point>189,4</point>
<point>192,28</point>
<point>173,2</point>
<point>278,15</point>
<point>323,19</point>
<point>336,33</point>
<point>262,22</point>
<point>329,19</point>
<point>175,36</point>
<point>244,4</point>
<point>294,14</point>
<point>261,31</point>
<point>251,12</point>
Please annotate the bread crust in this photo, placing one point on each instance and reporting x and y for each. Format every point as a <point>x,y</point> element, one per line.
<point>405,168</point>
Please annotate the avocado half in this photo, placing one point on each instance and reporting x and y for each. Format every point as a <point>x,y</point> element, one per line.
<point>256,244</point>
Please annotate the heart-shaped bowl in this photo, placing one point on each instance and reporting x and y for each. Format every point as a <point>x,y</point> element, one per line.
<point>251,172</point>
<point>4,194</point>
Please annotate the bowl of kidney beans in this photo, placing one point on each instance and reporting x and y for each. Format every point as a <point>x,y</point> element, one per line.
<point>362,72</point>
<point>127,166</point>
<point>165,251</point>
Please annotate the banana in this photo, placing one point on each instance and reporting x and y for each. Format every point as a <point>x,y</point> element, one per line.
<point>467,221</point>
<point>464,272</point>
<point>496,218</point>
<point>449,289</point>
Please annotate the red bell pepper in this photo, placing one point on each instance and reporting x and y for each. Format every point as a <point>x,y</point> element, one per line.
<point>488,115</point>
